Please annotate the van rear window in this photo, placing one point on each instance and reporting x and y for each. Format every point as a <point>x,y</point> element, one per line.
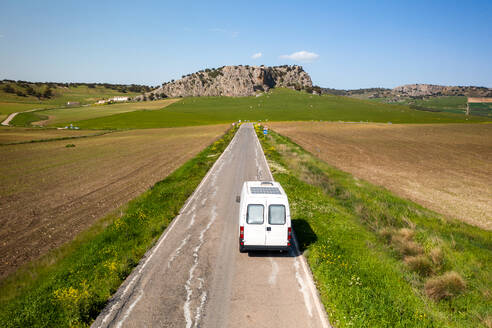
<point>276,214</point>
<point>255,214</point>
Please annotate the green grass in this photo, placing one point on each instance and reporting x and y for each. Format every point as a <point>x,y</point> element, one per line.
<point>482,109</point>
<point>26,119</point>
<point>70,286</point>
<point>449,104</point>
<point>278,105</point>
<point>64,116</point>
<point>444,102</point>
<point>357,238</point>
<point>10,107</point>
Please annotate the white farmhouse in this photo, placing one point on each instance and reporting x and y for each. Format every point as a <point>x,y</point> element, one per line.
<point>119,98</point>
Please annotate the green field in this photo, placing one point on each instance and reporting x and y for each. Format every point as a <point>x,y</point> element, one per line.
<point>64,116</point>
<point>277,105</point>
<point>449,104</point>
<point>443,103</point>
<point>379,260</point>
<point>10,102</point>
<point>9,107</point>
<point>481,109</point>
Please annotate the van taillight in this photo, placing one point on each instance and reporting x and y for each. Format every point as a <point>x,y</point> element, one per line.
<point>241,232</point>
<point>289,234</point>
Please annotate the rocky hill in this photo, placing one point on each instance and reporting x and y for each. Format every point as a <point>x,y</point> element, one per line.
<point>235,81</point>
<point>426,90</point>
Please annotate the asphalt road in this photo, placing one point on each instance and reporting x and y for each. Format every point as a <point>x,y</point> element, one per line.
<point>196,277</point>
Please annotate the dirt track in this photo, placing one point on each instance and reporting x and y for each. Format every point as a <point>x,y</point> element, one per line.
<point>445,167</point>
<point>50,193</point>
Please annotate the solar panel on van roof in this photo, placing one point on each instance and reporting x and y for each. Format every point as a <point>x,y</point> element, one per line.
<point>265,190</point>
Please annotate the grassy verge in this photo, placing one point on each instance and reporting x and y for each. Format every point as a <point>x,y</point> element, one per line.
<point>379,260</point>
<point>70,286</point>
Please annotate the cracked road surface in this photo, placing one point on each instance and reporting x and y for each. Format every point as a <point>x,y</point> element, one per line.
<point>195,276</point>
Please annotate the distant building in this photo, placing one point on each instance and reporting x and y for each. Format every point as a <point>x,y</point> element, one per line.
<point>114,99</point>
<point>120,98</point>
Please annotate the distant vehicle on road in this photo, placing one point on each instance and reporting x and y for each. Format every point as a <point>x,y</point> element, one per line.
<point>264,217</point>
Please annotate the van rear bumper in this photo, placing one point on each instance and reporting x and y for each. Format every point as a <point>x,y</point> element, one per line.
<point>265,247</point>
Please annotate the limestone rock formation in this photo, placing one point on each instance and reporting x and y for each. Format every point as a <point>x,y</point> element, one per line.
<point>235,81</point>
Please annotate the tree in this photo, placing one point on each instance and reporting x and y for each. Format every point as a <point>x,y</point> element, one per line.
<point>8,88</point>
<point>151,97</point>
<point>30,91</point>
<point>47,93</point>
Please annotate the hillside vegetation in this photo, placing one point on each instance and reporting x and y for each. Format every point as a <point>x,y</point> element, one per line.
<point>21,95</point>
<point>276,105</point>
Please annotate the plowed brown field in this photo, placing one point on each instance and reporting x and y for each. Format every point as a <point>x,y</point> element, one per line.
<point>444,167</point>
<point>49,193</point>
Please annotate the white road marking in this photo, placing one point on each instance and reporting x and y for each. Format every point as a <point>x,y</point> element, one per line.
<point>163,237</point>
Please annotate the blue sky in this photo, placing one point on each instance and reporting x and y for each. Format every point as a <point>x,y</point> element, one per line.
<point>345,44</point>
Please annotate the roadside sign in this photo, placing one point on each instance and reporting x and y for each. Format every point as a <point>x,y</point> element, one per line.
<point>265,131</point>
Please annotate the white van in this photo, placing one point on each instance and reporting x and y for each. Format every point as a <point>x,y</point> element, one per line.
<point>264,217</point>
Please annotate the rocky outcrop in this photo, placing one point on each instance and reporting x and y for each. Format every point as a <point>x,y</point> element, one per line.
<point>426,90</point>
<point>235,81</point>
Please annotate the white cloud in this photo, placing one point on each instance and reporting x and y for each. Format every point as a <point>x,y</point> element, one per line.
<point>302,56</point>
<point>257,55</point>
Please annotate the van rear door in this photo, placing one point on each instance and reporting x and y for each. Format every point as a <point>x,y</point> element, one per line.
<point>276,227</point>
<point>254,229</point>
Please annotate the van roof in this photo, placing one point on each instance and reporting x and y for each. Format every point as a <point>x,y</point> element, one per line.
<point>270,188</point>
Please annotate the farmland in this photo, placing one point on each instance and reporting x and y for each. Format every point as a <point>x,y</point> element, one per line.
<point>380,260</point>
<point>276,105</point>
<point>9,135</point>
<point>446,168</point>
<point>62,116</point>
<point>51,191</point>
<point>449,104</point>
<point>11,102</point>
